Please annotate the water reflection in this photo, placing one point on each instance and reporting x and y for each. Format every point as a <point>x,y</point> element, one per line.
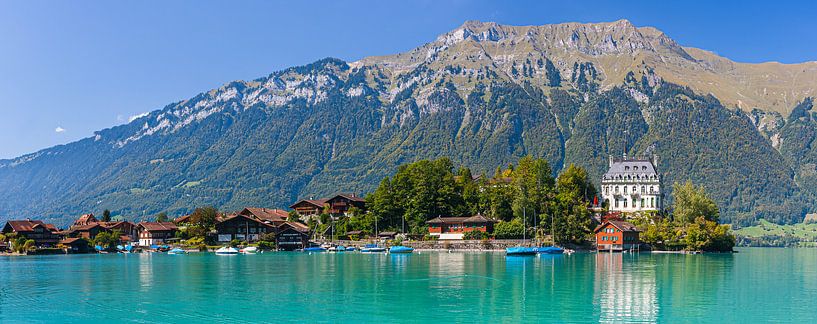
<point>625,290</point>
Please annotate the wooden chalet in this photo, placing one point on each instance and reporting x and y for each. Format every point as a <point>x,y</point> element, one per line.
<point>336,205</point>
<point>616,235</point>
<point>292,236</point>
<point>155,233</point>
<point>454,228</point>
<point>44,235</point>
<point>308,208</point>
<point>243,228</point>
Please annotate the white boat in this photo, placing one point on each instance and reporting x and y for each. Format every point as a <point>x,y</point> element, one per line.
<point>226,250</point>
<point>249,250</point>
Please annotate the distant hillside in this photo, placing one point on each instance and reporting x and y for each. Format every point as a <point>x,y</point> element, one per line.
<point>483,95</point>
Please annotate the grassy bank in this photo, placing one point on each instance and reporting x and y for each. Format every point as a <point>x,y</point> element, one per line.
<point>769,234</point>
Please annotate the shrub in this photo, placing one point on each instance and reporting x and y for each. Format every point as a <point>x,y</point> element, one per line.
<point>266,245</point>
<point>475,235</point>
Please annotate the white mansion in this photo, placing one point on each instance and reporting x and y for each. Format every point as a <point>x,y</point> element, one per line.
<point>631,185</point>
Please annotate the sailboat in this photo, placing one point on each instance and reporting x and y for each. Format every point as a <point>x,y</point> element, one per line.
<point>521,250</point>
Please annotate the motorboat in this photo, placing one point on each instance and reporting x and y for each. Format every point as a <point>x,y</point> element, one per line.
<point>521,250</point>
<point>176,251</point>
<point>315,249</point>
<point>250,250</point>
<point>400,249</point>
<point>350,249</point>
<point>226,250</point>
<point>372,248</point>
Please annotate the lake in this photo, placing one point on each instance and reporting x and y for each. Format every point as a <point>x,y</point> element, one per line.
<point>753,286</point>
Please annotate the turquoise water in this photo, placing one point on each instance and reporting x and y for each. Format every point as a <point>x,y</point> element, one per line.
<point>754,286</point>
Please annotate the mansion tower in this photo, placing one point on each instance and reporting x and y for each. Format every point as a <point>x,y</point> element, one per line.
<point>632,185</point>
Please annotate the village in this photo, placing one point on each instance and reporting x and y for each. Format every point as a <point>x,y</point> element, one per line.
<point>631,186</point>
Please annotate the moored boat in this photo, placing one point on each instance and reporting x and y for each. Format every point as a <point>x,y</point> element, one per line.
<point>350,249</point>
<point>549,250</point>
<point>400,249</point>
<point>315,249</point>
<point>226,250</point>
<point>521,250</point>
<point>372,248</point>
<point>249,250</point>
<point>176,251</point>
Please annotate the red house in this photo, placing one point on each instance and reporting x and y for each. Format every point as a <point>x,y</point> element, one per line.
<point>615,235</point>
<point>453,228</point>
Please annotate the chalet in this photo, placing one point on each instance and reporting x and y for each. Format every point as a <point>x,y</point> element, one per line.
<point>243,228</point>
<point>85,220</point>
<point>453,228</point>
<point>155,233</point>
<point>43,234</point>
<point>292,236</point>
<point>183,220</point>
<point>308,208</point>
<point>271,216</point>
<point>87,231</point>
<point>341,203</point>
<point>75,245</point>
<point>615,235</point>
<point>336,205</point>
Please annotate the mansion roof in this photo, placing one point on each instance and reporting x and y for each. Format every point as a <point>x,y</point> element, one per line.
<point>631,169</point>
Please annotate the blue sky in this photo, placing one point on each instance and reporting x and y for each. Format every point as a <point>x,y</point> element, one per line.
<point>68,69</point>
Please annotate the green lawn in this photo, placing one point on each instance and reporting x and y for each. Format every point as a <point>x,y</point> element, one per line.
<point>806,232</point>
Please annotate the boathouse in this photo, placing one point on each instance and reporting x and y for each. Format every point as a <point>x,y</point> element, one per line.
<point>614,235</point>
<point>292,236</point>
<point>243,228</point>
<point>454,228</point>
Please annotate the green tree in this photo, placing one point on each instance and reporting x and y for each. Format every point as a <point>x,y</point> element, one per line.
<point>509,230</point>
<point>162,217</point>
<point>29,245</point>
<point>691,202</point>
<point>204,217</point>
<point>106,215</point>
<point>293,216</point>
<point>107,240</point>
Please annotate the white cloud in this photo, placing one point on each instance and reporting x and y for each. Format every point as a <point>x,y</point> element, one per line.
<point>59,129</point>
<point>137,116</point>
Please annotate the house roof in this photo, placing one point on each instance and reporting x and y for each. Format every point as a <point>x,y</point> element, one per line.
<point>621,225</point>
<point>182,219</point>
<point>29,225</point>
<point>71,240</point>
<point>158,226</point>
<point>296,226</point>
<point>447,220</point>
<point>85,227</point>
<point>350,196</point>
<point>630,167</point>
<point>269,214</point>
<point>354,232</point>
<point>478,218</point>
<point>85,219</point>
<point>315,202</point>
<point>387,234</point>
<point>110,225</point>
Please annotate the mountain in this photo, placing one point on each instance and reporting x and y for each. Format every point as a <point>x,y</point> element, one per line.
<point>484,94</point>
